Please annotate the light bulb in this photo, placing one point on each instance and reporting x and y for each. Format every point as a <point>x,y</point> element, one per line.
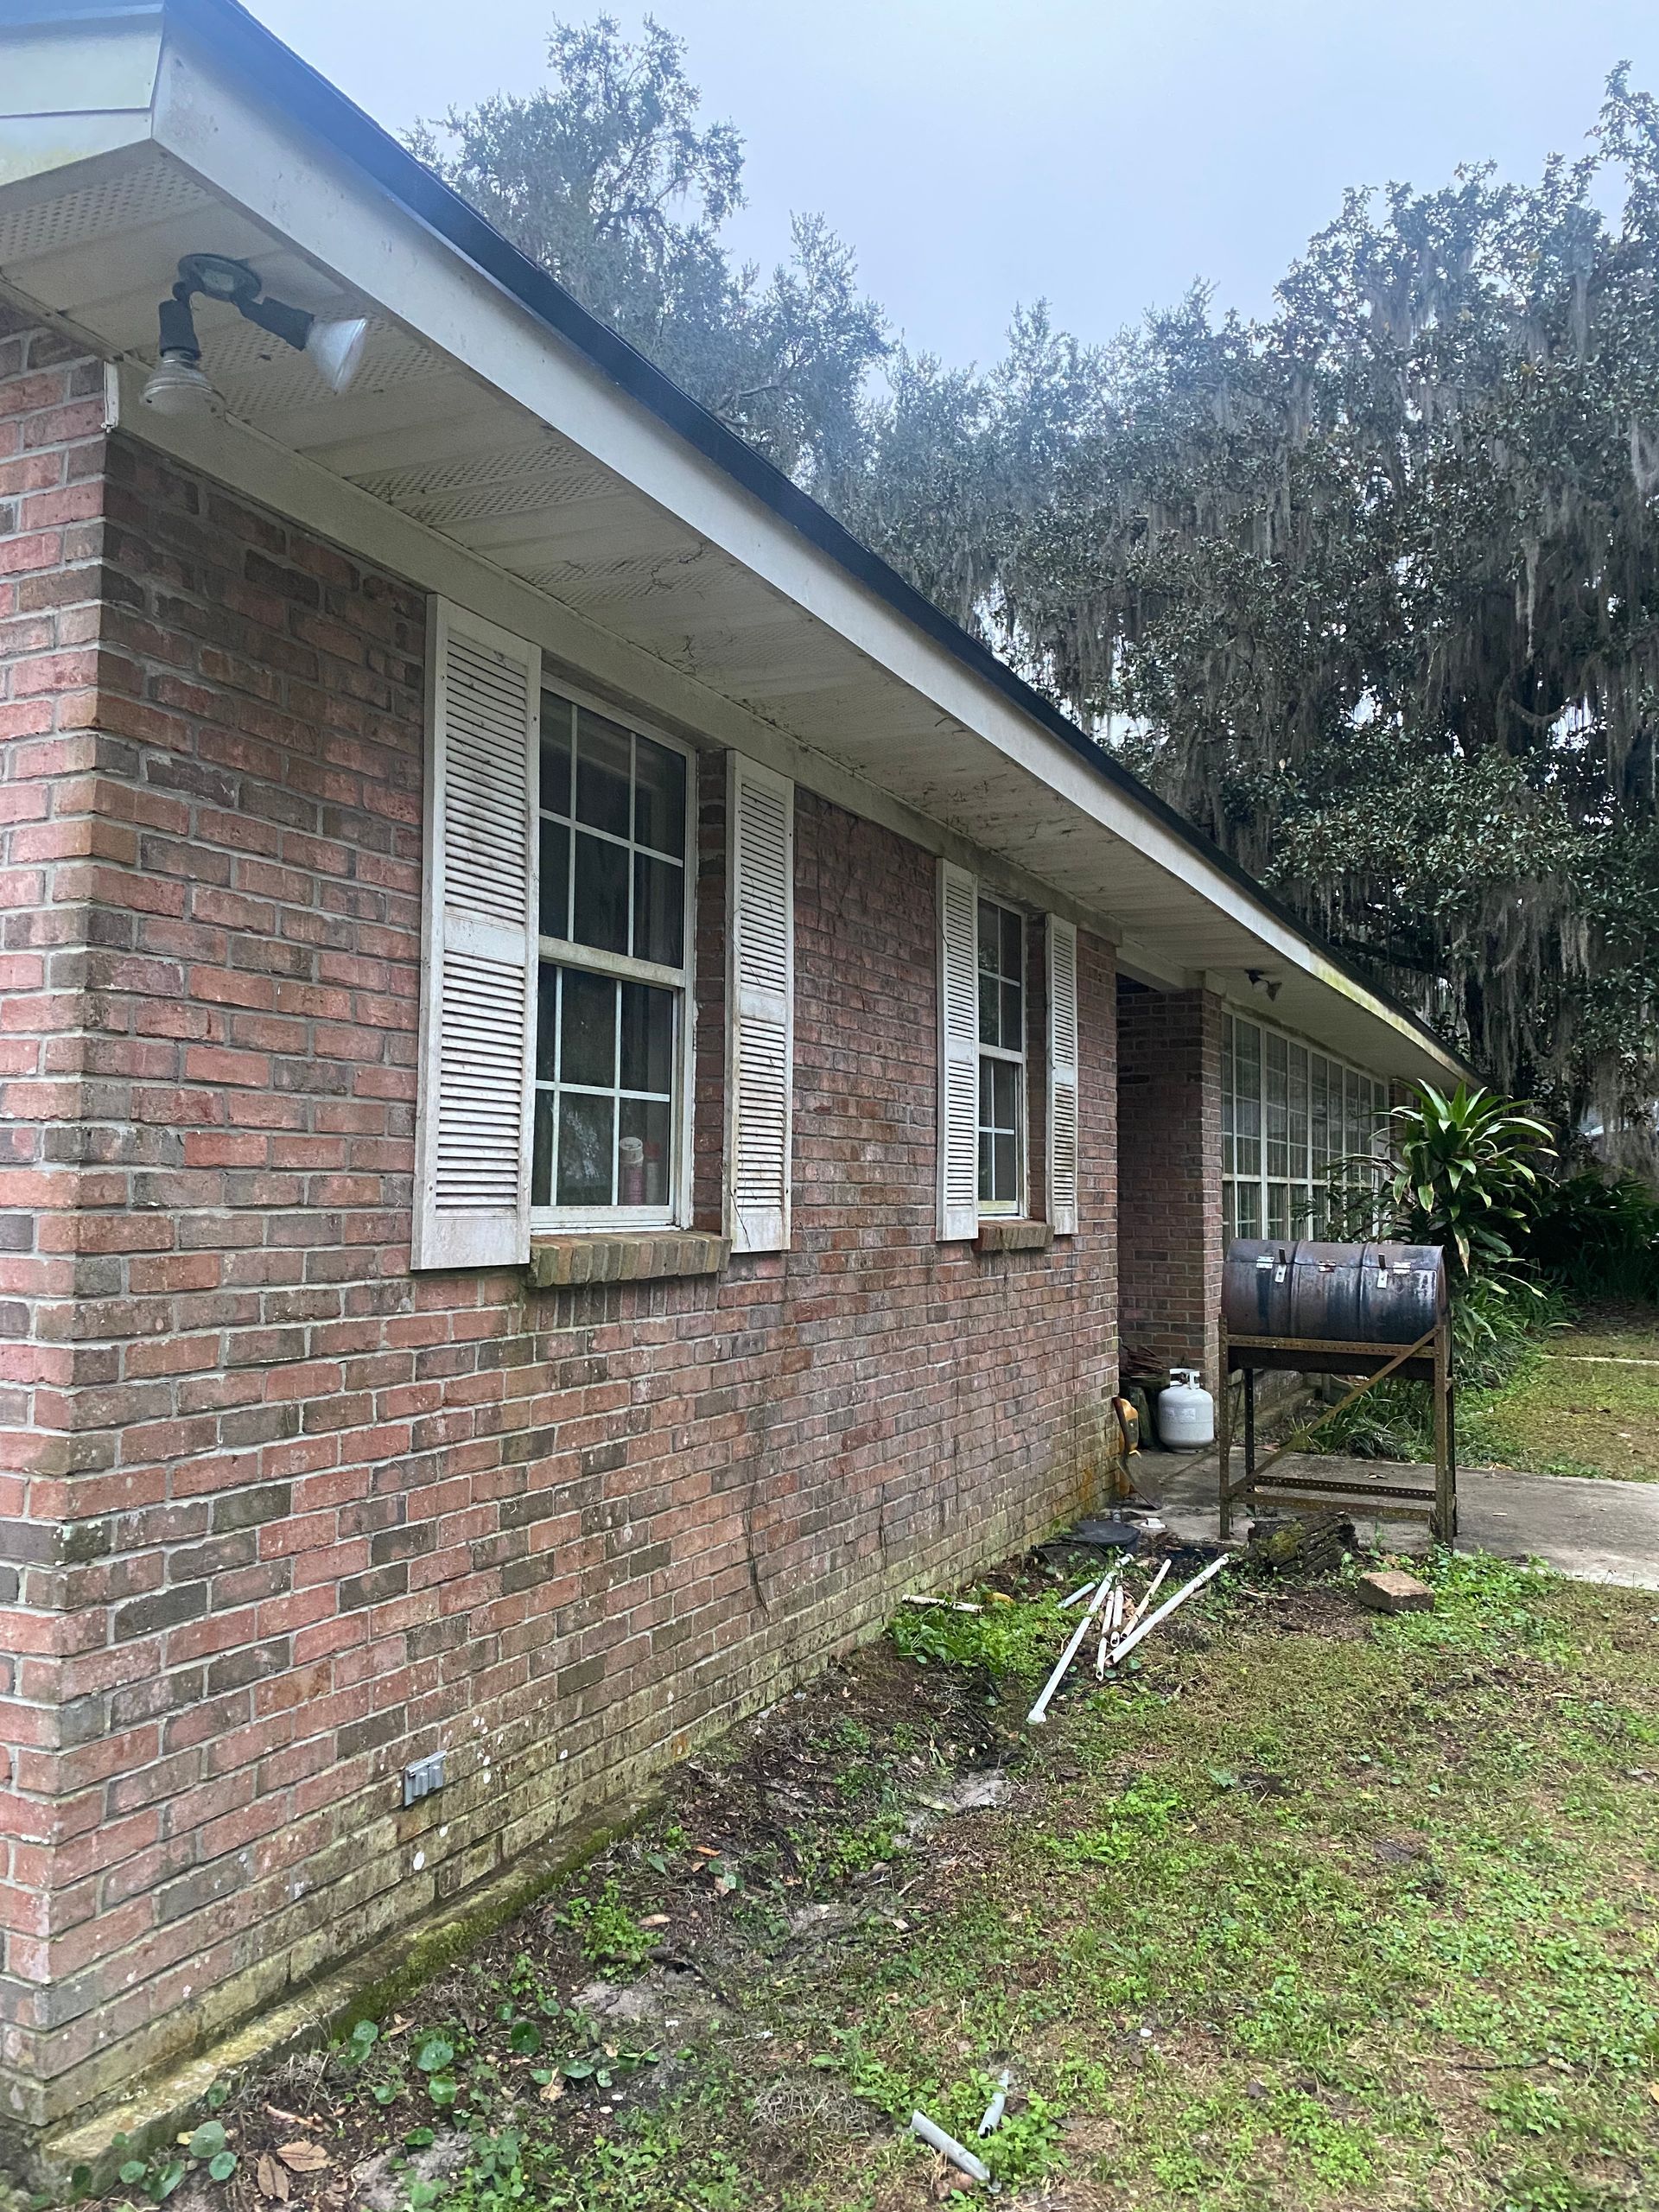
<point>335,350</point>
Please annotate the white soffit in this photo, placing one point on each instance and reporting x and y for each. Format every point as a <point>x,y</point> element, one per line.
<point>474,421</point>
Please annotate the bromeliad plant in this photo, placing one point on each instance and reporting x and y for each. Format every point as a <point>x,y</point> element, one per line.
<point>1466,1176</point>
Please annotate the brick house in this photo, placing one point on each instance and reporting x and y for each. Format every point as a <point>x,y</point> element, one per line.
<point>588,1090</point>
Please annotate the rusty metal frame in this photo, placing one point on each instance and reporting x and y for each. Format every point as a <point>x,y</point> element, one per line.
<point>1429,1360</point>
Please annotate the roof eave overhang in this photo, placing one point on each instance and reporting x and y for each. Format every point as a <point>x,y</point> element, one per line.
<point>91,89</point>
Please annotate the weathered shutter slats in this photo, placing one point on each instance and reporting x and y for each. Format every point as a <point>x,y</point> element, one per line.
<point>1062,1179</point>
<point>762,998</point>
<point>958,1138</point>
<point>472,1195</point>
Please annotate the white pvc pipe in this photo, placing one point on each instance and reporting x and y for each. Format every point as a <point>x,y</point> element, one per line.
<point>997,2106</point>
<point>948,2146</point>
<point>1035,1718</point>
<point>1146,1627</point>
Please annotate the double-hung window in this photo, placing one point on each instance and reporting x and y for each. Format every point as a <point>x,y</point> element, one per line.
<point>612,1007</point>
<point>1001,1059</point>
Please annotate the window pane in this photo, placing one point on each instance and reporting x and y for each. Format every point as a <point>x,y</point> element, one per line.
<point>1319,1116</point>
<point>1278,1209</point>
<point>1246,1079</point>
<point>647,1038</point>
<point>1276,1113</point>
<point>990,936</point>
<point>547,1022</point>
<point>990,1004</point>
<point>555,754</point>
<point>541,1158</point>
<point>642,1172</point>
<point>556,879</point>
<point>602,774</point>
<point>658,797</point>
<point>1005,1170</point>
<point>601,902</point>
<point>999,1140</point>
<point>1012,934</point>
<point>658,911</point>
<point>1298,1113</point>
<point>587,1031</point>
<point>1249,1209</point>
<point>1011,1024</point>
<point>1006,1079</point>
<point>587,1149</point>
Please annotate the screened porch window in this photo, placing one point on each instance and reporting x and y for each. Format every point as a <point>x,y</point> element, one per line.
<point>1292,1122</point>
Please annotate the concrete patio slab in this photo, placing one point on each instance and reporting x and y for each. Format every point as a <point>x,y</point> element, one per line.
<point>1593,1531</point>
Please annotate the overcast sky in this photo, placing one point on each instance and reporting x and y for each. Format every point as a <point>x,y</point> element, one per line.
<point>1098,153</point>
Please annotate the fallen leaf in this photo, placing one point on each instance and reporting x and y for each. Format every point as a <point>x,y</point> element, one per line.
<point>553,2090</point>
<point>655,1920</point>
<point>1653,2091</point>
<point>273,2181</point>
<point>302,2157</point>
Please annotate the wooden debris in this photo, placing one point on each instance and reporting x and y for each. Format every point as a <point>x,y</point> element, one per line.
<point>948,1605</point>
<point>1307,1543</point>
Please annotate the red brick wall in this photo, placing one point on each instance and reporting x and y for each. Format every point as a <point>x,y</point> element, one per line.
<point>1169,1177</point>
<point>53,849</point>
<point>337,1516</point>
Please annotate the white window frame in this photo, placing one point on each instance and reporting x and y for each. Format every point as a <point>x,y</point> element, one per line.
<point>1009,1209</point>
<point>1305,1175</point>
<point>563,1221</point>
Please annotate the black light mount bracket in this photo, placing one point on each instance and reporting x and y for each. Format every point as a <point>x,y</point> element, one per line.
<point>218,277</point>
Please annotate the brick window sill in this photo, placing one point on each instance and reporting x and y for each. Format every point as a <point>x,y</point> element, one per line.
<point>1000,1234</point>
<point>556,1262</point>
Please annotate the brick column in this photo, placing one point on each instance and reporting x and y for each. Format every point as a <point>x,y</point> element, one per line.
<point>1169,1177</point>
<point>54,1444</point>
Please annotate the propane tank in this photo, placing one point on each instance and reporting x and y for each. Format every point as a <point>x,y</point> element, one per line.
<point>1187,1412</point>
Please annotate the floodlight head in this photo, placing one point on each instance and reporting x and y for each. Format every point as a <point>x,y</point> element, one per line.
<point>178,387</point>
<point>335,350</point>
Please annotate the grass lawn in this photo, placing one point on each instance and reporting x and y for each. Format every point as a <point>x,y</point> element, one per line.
<point>1588,1405</point>
<point>1313,1910</point>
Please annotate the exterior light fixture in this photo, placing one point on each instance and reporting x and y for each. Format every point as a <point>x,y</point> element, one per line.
<point>179,385</point>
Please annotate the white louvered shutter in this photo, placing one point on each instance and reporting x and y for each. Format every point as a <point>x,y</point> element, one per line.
<point>958,1053</point>
<point>1062,1076</point>
<point>472,1192</point>
<point>760,996</point>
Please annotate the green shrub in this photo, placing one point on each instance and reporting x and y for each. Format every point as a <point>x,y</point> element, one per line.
<point>1597,1236</point>
<point>1464,1175</point>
